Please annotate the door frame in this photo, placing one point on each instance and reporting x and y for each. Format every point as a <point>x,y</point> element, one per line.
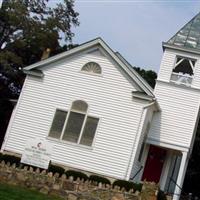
<point>144,161</point>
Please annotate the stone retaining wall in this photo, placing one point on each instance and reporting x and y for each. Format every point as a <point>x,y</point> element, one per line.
<point>69,189</point>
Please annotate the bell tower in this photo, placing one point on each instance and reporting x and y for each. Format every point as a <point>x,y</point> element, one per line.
<point>177,91</point>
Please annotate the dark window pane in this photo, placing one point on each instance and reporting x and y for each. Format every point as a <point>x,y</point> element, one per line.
<point>89,131</point>
<point>184,67</point>
<point>73,127</point>
<point>57,125</point>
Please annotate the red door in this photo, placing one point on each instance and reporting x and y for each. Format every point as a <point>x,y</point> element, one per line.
<point>154,164</point>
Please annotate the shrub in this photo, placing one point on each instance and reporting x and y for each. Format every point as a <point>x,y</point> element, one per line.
<point>99,179</point>
<point>161,195</point>
<point>1,155</point>
<point>56,169</point>
<point>10,158</point>
<point>76,175</point>
<point>127,185</point>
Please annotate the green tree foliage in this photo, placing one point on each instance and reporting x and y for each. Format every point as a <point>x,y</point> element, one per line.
<point>148,75</point>
<point>27,28</point>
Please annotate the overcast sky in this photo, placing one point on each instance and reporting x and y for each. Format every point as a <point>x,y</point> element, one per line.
<point>134,28</point>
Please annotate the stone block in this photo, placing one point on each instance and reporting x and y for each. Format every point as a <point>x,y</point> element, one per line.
<point>45,190</point>
<point>72,196</point>
<point>68,185</point>
<point>118,197</point>
<point>21,177</point>
<point>56,187</point>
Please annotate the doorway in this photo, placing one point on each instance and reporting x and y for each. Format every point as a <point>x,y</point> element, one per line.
<point>154,164</point>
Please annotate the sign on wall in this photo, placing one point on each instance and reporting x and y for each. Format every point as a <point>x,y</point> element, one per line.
<point>37,153</point>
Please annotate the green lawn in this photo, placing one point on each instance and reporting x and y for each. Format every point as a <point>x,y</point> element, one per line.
<point>8,192</point>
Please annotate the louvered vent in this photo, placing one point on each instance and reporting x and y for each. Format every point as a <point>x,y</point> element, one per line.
<point>92,67</point>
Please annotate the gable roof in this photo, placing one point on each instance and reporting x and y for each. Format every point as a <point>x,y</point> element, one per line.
<point>96,42</point>
<point>188,37</point>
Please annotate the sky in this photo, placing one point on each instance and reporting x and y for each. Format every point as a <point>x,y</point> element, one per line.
<point>134,28</point>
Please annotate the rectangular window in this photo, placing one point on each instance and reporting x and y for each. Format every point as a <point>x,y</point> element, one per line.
<point>58,123</point>
<point>73,128</point>
<point>89,131</point>
<point>183,71</point>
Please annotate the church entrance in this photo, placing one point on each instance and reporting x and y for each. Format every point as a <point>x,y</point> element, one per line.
<point>154,164</point>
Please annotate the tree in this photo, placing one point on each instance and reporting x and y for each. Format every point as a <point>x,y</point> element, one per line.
<point>148,75</point>
<point>27,28</point>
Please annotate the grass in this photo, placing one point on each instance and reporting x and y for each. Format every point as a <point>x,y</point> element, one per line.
<point>10,192</point>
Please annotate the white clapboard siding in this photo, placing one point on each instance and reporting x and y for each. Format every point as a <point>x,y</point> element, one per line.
<point>109,97</point>
<point>179,104</point>
<point>179,108</point>
<point>166,65</point>
<point>136,172</point>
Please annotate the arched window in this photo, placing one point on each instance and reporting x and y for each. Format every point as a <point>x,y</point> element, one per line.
<point>76,125</point>
<point>79,106</point>
<point>92,67</point>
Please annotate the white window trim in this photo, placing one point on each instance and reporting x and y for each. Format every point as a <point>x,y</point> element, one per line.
<point>60,140</point>
<point>177,63</point>
<point>90,73</point>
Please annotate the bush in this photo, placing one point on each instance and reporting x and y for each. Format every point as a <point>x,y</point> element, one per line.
<point>56,169</point>
<point>76,175</point>
<point>10,158</point>
<point>161,195</point>
<point>1,155</point>
<point>99,179</point>
<point>128,185</point>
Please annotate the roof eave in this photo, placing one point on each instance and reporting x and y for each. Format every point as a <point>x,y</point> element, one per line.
<point>37,73</point>
<point>64,54</point>
<point>175,47</point>
<point>142,96</point>
<point>145,86</point>
<point>98,41</point>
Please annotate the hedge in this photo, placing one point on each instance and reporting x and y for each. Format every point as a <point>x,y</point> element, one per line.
<point>128,185</point>
<point>10,158</point>
<point>99,179</point>
<point>76,174</point>
<point>56,169</point>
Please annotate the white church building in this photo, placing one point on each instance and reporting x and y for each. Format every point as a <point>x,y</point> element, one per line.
<point>102,117</point>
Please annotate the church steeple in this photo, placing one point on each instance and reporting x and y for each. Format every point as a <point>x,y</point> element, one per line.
<point>188,36</point>
<point>177,91</point>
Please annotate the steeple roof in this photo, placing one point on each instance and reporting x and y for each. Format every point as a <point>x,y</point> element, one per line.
<point>189,35</point>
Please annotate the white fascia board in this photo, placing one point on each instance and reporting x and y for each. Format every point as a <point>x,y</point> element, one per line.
<point>184,49</point>
<point>37,73</point>
<point>142,96</point>
<point>62,55</point>
<point>133,75</point>
<point>130,67</point>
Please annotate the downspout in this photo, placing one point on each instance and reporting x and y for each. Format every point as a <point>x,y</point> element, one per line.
<point>137,133</point>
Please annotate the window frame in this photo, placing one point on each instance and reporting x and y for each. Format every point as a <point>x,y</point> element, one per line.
<point>175,73</point>
<point>144,144</point>
<point>60,139</point>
